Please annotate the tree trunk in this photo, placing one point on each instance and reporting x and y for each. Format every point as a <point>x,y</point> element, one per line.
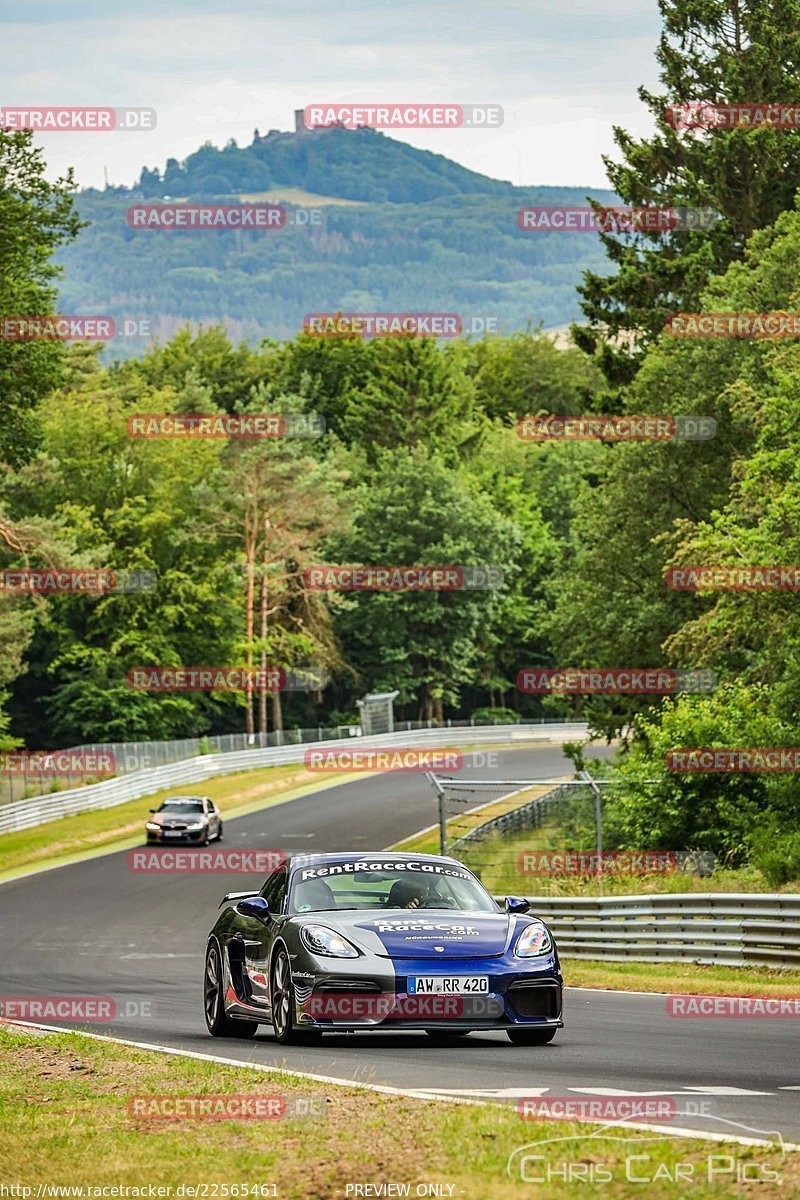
<point>277,713</point>
<point>250,543</point>
<point>262,691</point>
<point>262,694</point>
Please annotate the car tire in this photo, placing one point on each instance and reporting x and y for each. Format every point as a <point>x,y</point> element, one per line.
<point>443,1037</point>
<point>532,1037</point>
<point>282,1001</point>
<point>219,835</point>
<point>218,1022</point>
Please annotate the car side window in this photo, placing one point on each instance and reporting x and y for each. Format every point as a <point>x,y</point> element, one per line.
<point>274,890</point>
<point>276,904</point>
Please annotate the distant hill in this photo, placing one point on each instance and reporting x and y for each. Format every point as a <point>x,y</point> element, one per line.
<point>401,229</point>
<point>360,164</point>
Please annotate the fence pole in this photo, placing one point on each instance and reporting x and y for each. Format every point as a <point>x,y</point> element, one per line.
<point>598,812</point>
<point>442,814</point>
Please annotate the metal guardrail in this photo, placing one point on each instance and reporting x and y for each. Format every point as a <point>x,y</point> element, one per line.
<point>128,757</point>
<point>24,814</point>
<point>736,929</point>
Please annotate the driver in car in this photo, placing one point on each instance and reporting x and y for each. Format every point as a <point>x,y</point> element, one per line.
<point>407,893</point>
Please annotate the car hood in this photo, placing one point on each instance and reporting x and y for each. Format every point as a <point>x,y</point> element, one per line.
<point>398,933</point>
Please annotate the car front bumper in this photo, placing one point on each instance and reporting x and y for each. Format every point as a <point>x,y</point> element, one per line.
<point>176,837</point>
<point>347,1000</point>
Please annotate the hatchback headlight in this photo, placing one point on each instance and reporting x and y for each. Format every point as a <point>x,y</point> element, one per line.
<point>533,940</point>
<point>320,940</point>
<point>151,826</point>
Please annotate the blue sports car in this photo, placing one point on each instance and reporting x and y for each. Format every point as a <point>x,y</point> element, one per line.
<point>349,942</point>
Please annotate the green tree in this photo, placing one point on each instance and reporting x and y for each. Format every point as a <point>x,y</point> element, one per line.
<point>754,634</point>
<point>124,504</point>
<point>272,504</point>
<point>717,51</point>
<point>653,807</point>
<point>415,510</point>
<point>528,373</point>
<point>36,218</point>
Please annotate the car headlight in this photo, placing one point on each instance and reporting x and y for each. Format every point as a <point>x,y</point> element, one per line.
<point>152,826</point>
<point>533,940</point>
<point>320,940</point>
<point>194,828</point>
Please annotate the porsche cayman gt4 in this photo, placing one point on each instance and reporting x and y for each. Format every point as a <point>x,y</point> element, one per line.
<point>355,942</point>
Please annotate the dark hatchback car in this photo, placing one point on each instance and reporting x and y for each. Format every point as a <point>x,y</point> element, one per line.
<point>185,819</point>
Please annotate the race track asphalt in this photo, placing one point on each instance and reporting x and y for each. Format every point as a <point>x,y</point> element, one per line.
<point>97,928</point>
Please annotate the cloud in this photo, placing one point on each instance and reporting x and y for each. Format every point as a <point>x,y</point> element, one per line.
<point>564,76</point>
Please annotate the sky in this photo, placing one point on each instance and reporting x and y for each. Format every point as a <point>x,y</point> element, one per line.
<point>565,74</point>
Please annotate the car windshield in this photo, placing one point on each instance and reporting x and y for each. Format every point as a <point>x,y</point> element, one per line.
<point>182,806</point>
<point>412,885</point>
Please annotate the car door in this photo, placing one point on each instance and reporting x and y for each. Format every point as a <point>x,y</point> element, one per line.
<point>258,937</point>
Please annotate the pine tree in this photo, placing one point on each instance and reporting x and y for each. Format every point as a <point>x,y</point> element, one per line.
<point>716,52</point>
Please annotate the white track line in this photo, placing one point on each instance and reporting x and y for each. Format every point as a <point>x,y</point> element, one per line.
<point>384,1089</point>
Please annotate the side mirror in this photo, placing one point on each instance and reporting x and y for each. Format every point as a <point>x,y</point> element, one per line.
<point>517,904</point>
<point>153,810</point>
<point>254,906</point>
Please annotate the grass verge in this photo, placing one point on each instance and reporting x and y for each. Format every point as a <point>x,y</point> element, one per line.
<point>427,842</point>
<point>65,1121</point>
<point>678,977</point>
<point>498,862</point>
<point>58,842</point>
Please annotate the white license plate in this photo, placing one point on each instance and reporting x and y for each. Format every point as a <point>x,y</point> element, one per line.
<point>448,985</point>
<point>173,833</point>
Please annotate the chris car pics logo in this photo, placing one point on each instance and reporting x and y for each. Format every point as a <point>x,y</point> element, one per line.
<point>641,1157</point>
